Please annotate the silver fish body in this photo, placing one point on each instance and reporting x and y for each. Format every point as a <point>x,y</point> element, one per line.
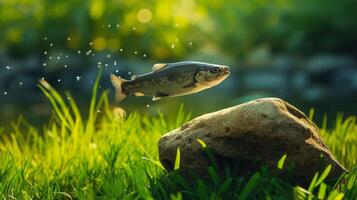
<point>172,79</point>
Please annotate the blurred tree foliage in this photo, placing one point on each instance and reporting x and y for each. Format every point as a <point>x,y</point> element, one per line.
<point>165,29</point>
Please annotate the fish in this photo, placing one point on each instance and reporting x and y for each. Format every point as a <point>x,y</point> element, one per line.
<point>171,80</point>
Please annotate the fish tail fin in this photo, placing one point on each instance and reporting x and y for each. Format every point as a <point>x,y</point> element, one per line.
<point>117,83</point>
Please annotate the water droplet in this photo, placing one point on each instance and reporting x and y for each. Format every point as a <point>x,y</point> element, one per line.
<point>68,98</point>
<point>108,56</point>
<point>79,52</point>
<point>172,46</point>
<point>78,78</point>
<point>135,52</point>
<point>115,62</point>
<point>99,111</point>
<point>106,65</point>
<point>58,57</point>
<point>118,25</point>
<point>121,49</point>
<point>109,25</point>
<point>176,40</point>
<point>45,52</point>
<point>134,28</point>
<point>21,83</point>
<point>44,64</point>
<point>89,52</point>
<point>99,63</point>
<point>129,73</point>
<point>65,66</point>
<point>59,80</point>
<point>190,43</point>
<point>42,78</point>
<point>67,56</point>
<point>144,55</point>
<point>91,43</point>
<point>51,44</point>
<point>50,57</point>
<point>68,38</point>
<point>117,71</point>
<point>147,105</point>
<point>5,93</point>
<point>8,67</point>
<point>45,38</point>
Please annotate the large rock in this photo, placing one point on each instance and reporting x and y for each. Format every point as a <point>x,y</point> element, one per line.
<point>248,136</point>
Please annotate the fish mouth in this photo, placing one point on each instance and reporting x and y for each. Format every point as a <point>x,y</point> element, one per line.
<point>226,70</point>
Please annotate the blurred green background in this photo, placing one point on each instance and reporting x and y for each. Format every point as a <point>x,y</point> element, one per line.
<point>301,51</point>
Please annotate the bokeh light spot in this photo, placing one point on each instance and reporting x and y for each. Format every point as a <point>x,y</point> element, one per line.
<point>144,15</point>
<point>97,9</point>
<point>99,43</point>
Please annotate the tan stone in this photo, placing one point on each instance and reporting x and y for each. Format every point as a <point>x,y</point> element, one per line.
<point>248,136</point>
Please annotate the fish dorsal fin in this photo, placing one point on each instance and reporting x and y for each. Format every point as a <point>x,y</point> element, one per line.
<point>158,66</point>
<point>134,77</point>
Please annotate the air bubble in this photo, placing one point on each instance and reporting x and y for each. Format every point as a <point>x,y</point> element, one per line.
<point>51,44</point>
<point>172,46</point>
<point>8,67</point>
<point>44,64</point>
<point>78,78</point>
<point>21,83</point>
<point>108,56</point>
<point>5,93</point>
<point>59,80</point>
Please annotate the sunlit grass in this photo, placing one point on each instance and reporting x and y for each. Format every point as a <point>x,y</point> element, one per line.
<point>106,156</point>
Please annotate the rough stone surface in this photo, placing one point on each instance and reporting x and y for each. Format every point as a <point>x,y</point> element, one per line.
<point>248,136</point>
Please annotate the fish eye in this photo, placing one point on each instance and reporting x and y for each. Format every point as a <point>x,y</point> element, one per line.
<point>215,70</point>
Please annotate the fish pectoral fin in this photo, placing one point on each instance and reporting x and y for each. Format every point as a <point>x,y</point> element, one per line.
<point>159,95</point>
<point>158,66</point>
<point>155,98</point>
<point>190,85</point>
<point>139,94</point>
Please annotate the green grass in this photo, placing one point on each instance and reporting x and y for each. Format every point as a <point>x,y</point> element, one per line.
<point>104,156</point>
